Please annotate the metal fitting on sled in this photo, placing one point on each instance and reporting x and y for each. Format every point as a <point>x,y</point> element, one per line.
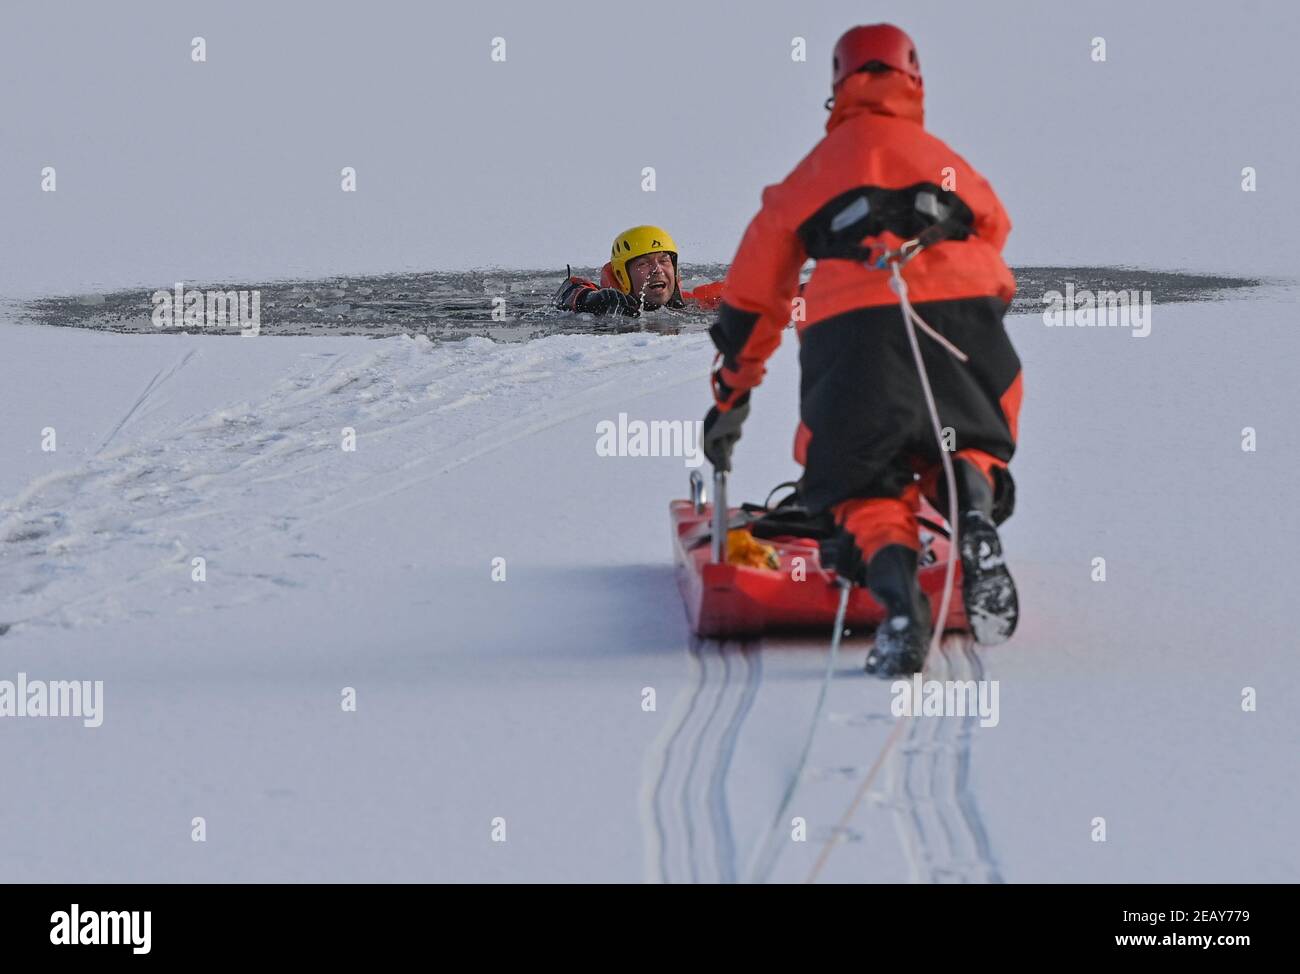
<point>699,496</point>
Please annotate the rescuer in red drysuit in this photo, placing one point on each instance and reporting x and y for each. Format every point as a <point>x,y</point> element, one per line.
<point>865,438</point>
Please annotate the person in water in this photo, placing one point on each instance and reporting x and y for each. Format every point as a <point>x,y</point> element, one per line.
<point>641,275</point>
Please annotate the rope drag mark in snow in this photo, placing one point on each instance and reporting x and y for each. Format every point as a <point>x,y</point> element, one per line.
<point>841,827</point>
<point>928,762</point>
<point>684,804</point>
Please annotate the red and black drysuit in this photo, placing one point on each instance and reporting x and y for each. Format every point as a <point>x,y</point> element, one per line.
<point>865,438</point>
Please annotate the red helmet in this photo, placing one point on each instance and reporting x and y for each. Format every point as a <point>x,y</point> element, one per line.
<point>884,44</point>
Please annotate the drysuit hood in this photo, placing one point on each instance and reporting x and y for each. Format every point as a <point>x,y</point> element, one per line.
<point>889,93</point>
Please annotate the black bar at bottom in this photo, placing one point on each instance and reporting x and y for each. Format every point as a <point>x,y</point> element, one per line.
<point>140,924</point>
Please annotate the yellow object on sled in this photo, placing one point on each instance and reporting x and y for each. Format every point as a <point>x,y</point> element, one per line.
<point>747,552</point>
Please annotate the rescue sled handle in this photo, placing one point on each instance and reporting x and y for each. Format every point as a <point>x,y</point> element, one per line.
<point>700,497</point>
<point>719,539</point>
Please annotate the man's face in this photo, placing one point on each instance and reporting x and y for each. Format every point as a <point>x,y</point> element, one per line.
<point>654,276</point>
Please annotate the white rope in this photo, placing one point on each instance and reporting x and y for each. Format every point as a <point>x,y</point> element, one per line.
<point>911,318</point>
<point>920,323</point>
<point>767,851</point>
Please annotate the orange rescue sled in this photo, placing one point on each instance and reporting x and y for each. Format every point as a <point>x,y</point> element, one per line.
<point>787,588</point>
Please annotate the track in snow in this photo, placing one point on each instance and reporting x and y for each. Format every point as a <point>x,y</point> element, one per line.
<point>921,775</point>
<point>689,834</point>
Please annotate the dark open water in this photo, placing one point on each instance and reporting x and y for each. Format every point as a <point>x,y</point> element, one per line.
<point>451,305</point>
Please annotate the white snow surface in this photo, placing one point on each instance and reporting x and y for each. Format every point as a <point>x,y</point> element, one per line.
<point>521,699</point>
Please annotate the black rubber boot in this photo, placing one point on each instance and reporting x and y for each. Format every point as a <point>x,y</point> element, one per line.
<point>903,638</point>
<point>992,606</point>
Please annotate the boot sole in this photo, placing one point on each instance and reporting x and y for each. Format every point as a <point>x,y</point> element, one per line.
<point>992,605</point>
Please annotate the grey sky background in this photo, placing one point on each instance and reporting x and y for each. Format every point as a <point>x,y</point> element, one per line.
<point>170,170</point>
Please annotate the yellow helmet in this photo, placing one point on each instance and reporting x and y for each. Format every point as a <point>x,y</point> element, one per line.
<point>634,243</point>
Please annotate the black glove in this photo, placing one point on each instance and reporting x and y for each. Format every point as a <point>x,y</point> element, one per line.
<point>608,299</point>
<point>722,430</point>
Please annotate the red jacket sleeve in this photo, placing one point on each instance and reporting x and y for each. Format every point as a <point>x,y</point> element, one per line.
<point>566,298</point>
<point>756,297</point>
<point>706,296</point>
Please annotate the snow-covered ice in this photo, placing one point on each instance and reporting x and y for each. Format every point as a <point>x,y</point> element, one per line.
<point>522,699</point>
